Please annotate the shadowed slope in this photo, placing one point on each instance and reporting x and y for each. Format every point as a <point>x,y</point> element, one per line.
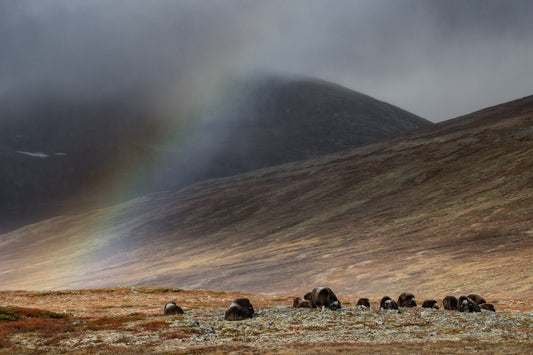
<point>272,120</point>
<point>445,209</point>
<point>64,157</point>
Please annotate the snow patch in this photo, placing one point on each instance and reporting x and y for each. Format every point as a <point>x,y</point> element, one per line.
<point>39,154</point>
<point>35,155</point>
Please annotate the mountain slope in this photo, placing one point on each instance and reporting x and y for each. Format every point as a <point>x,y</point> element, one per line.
<point>59,156</point>
<point>273,120</point>
<point>445,209</point>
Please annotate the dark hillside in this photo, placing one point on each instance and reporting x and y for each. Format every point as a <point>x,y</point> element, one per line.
<point>444,209</point>
<point>272,121</point>
<point>63,156</point>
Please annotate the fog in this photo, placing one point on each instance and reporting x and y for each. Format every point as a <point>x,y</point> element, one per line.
<point>437,59</point>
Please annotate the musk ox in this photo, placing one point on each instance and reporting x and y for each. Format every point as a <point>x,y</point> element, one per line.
<point>323,297</point>
<point>388,303</point>
<point>476,298</point>
<point>363,302</point>
<point>487,307</point>
<point>465,304</point>
<point>171,308</point>
<point>450,303</point>
<point>299,303</point>
<point>406,300</point>
<point>239,309</point>
<point>430,304</point>
<point>462,304</point>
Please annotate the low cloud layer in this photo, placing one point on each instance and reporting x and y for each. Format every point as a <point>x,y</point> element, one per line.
<point>438,59</point>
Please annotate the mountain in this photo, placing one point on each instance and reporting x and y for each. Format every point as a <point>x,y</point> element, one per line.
<point>272,121</point>
<point>443,209</point>
<point>62,156</point>
<point>54,152</point>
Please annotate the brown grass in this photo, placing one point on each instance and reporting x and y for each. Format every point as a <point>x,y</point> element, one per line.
<point>54,332</point>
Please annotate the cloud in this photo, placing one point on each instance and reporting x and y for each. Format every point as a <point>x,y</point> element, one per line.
<point>435,58</point>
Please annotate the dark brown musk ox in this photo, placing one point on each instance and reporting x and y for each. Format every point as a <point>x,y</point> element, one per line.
<point>363,302</point>
<point>171,309</point>
<point>239,309</point>
<point>430,304</point>
<point>388,303</point>
<point>299,303</point>
<point>323,297</point>
<point>476,298</point>
<point>487,307</point>
<point>406,300</point>
<point>450,303</point>
<point>465,304</point>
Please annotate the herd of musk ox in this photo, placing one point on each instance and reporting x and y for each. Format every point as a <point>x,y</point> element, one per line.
<point>323,297</point>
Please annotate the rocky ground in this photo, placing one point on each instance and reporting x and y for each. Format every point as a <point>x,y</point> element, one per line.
<point>125,320</point>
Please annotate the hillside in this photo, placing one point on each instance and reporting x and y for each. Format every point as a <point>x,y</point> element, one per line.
<point>61,155</point>
<point>445,209</point>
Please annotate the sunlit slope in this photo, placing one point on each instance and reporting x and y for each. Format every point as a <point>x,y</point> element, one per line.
<point>445,209</point>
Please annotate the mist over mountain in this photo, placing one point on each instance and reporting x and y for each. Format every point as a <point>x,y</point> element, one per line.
<point>439,59</point>
<point>53,152</point>
<point>272,120</point>
<point>443,209</point>
<point>61,156</point>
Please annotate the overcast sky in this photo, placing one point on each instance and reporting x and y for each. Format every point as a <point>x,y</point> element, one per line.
<point>436,58</point>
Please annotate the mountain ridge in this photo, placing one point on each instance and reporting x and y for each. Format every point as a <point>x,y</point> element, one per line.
<point>444,209</point>
<point>83,153</point>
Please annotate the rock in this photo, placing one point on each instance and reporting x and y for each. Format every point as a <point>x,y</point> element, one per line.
<point>209,330</point>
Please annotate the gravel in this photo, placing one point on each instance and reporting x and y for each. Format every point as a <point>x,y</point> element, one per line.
<point>286,327</point>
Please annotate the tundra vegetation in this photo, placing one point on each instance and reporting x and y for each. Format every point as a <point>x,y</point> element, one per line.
<point>125,320</point>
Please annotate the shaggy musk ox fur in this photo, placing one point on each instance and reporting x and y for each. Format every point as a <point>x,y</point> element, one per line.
<point>465,304</point>
<point>430,304</point>
<point>406,300</point>
<point>487,306</point>
<point>299,303</point>
<point>323,297</point>
<point>239,309</point>
<point>363,302</point>
<point>476,298</point>
<point>450,303</point>
<point>172,308</point>
<point>387,303</point>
